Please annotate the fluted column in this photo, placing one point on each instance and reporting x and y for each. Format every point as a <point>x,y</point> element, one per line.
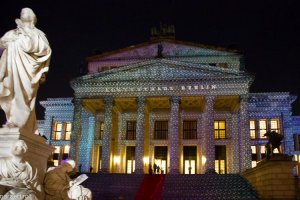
<point>106,142</point>
<point>209,140</point>
<point>140,132</point>
<point>76,130</point>
<point>174,135</point>
<point>245,145</point>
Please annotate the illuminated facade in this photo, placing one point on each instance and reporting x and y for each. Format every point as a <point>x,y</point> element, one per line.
<point>183,106</point>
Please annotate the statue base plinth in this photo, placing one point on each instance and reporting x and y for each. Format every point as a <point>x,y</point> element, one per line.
<point>38,151</point>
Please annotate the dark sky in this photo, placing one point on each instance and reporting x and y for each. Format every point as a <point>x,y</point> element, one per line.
<point>266,31</point>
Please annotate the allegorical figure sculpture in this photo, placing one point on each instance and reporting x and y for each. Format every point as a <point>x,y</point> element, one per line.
<point>23,64</point>
<point>18,180</point>
<point>274,141</point>
<point>59,186</point>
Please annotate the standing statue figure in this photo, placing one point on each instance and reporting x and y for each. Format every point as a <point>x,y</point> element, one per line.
<point>18,180</point>
<point>59,186</point>
<point>23,65</point>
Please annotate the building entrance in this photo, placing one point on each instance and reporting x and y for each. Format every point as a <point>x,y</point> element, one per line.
<point>189,159</point>
<point>130,159</point>
<point>160,159</point>
<point>220,159</point>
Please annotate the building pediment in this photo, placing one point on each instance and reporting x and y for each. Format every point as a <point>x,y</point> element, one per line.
<point>162,70</point>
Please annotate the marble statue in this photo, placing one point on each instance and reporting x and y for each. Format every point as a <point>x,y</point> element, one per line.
<point>59,186</point>
<point>24,62</point>
<point>18,180</point>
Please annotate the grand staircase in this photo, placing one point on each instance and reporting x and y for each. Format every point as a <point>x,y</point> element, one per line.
<point>181,187</point>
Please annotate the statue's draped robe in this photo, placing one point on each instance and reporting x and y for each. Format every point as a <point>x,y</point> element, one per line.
<point>20,178</point>
<point>25,58</point>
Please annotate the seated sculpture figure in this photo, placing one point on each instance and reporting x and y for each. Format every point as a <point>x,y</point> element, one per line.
<point>59,186</point>
<point>18,180</point>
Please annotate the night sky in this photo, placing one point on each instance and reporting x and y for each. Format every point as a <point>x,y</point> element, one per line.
<point>266,31</point>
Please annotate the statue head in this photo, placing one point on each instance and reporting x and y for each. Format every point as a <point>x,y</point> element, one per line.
<point>68,165</point>
<point>27,15</point>
<point>19,148</point>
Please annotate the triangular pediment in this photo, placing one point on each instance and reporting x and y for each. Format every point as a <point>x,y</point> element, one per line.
<point>162,70</point>
<point>169,48</point>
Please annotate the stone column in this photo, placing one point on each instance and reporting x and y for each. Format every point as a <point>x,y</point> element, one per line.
<point>287,131</point>
<point>86,145</point>
<point>174,135</point>
<point>76,130</point>
<point>209,140</point>
<point>106,142</point>
<point>235,143</point>
<point>245,144</point>
<point>140,132</point>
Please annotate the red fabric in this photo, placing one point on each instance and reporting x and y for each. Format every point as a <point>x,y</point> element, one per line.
<point>151,187</point>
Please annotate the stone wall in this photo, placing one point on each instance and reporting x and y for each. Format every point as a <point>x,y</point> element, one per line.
<point>273,179</point>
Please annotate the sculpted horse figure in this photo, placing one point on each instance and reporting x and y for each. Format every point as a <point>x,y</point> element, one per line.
<point>274,142</point>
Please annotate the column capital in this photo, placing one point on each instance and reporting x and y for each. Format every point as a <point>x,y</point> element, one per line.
<point>244,97</point>
<point>141,100</point>
<point>175,99</point>
<point>209,98</point>
<point>108,99</point>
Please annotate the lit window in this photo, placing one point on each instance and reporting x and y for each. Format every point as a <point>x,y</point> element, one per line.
<point>262,149</point>
<point>262,128</point>
<point>57,130</point>
<point>220,166</point>
<point>275,125</point>
<point>130,131</point>
<point>101,131</point>
<point>296,142</point>
<point>66,151</point>
<point>68,128</point>
<point>220,129</point>
<point>189,130</point>
<point>56,153</point>
<point>263,152</point>
<point>252,129</point>
<point>254,156</point>
<point>161,130</point>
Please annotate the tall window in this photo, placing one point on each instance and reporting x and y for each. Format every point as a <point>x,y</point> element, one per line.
<point>220,129</point>
<point>263,152</point>
<point>262,128</point>
<point>254,156</point>
<point>99,136</point>
<point>275,125</point>
<point>57,130</point>
<point>130,131</point>
<point>66,151</point>
<point>189,130</point>
<point>56,153</point>
<point>161,130</point>
<point>252,129</point>
<point>68,128</point>
<point>296,142</point>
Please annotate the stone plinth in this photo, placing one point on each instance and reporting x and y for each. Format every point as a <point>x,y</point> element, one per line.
<point>38,151</point>
<point>273,178</point>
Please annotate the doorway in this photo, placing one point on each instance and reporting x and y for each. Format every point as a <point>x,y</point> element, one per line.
<point>189,159</point>
<point>160,159</point>
<point>130,159</point>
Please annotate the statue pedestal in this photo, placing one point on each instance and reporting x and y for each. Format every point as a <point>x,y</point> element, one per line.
<point>273,178</point>
<point>38,151</point>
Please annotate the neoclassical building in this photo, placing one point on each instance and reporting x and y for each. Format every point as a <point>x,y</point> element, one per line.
<point>185,107</point>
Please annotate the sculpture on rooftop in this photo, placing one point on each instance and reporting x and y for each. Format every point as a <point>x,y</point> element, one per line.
<point>23,65</point>
<point>274,141</point>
